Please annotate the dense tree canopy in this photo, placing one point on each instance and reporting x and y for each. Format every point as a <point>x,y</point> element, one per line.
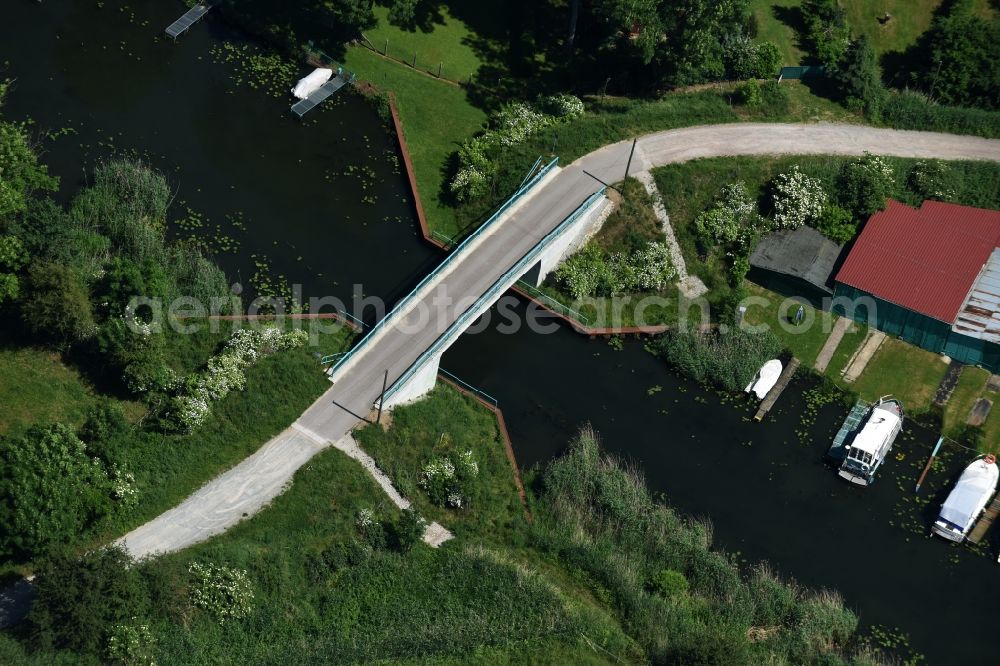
<point>957,61</point>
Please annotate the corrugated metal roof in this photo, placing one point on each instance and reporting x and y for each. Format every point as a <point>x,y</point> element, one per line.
<point>980,314</point>
<point>925,259</point>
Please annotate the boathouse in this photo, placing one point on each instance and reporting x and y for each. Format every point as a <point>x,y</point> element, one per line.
<point>931,276</point>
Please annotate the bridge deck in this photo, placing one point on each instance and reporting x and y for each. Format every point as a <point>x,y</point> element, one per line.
<point>304,106</point>
<point>189,18</point>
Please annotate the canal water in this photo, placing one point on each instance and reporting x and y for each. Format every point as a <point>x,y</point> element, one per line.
<point>323,204</point>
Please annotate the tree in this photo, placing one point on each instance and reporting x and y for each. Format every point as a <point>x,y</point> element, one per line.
<point>826,31</point>
<point>57,306</point>
<point>857,77</point>
<point>79,600</point>
<point>956,61</point>
<point>52,490</point>
<point>12,258</point>
<point>20,173</point>
<point>403,12</point>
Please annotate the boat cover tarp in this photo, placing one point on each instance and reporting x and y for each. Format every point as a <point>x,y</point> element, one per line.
<point>307,85</point>
<point>973,490</point>
<point>876,430</point>
<point>766,378</point>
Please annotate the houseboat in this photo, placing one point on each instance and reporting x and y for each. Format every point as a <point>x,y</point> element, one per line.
<point>967,499</point>
<point>872,441</point>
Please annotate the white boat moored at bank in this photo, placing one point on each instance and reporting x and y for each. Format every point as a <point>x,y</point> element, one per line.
<point>766,378</point>
<point>967,499</point>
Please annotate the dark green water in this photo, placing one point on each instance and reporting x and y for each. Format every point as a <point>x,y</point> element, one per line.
<point>229,149</point>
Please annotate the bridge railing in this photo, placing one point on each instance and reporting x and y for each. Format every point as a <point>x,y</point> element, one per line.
<point>497,288</point>
<point>447,263</point>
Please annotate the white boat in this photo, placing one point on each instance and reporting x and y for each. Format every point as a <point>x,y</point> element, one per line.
<point>766,378</point>
<point>307,85</point>
<point>872,441</point>
<point>967,499</point>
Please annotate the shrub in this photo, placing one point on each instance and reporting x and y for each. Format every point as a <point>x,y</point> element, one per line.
<point>408,530</point>
<point>858,79</point>
<point>563,105</point>
<point>932,179</point>
<point>104,420</point>
<point>910,110</point>
<point>594,272</point>
<point>796,199</point>
<point>445,479</point>
<point>223,592</point>
<point>751,94</point>
<point>57,305</point>
<point>748,59</point>
<point>52,489</point>
<point>131,644</point>
<point>837,224</point>
<point>669,583</point>
<point>864,185</point>
<point>732,219</point>
<point>371,529</point>
<point>80,598</point>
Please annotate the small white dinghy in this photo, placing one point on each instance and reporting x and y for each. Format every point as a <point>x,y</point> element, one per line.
<point>766,378</point>
<point>967,499</point>
<point>307,85</point>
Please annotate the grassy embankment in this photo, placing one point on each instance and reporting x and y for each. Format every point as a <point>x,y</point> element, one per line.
<point>606,574</point>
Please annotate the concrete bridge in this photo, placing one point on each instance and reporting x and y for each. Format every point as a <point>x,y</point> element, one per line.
<point>543,221</point>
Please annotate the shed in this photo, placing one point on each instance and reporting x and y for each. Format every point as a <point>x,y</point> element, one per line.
<point>799,262</point>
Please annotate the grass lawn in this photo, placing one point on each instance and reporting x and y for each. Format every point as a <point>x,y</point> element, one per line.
<point>849,344</point>
<point>36,387</point>
<point>771,27</point>
<point>907,372</point>
<point>971,386</point>
<point>444,39</point>
<point>910,19</point>
<point>446,423</point>
<point>437,118</point>
<point>805,340</point>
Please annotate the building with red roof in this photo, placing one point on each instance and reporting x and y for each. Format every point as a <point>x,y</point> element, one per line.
<point>929,275</point>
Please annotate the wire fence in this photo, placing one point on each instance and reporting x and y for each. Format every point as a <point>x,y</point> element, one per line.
<point>412,58</point>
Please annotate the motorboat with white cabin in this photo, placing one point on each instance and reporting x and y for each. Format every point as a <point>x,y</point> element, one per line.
<point>872,441</point>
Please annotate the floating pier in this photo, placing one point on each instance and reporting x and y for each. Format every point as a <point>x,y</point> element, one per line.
<point>775,392</point>
<point>985,521</point>
<point>837,451</point>
<point>190,17</point>
<point>304,106</point>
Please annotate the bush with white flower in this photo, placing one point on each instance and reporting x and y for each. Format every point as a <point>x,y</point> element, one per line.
<point>513,124</point>
<point>225,372</point>
<point>864,185</point>
<point>654,268</point>
<point>444,478</point>
<point>123,486</point>
<point>222,591</point>
<point>732,220</point>
<point>594,272</point>
<point>131,644</point>
<point>563,105</point>
<point>796,199</point>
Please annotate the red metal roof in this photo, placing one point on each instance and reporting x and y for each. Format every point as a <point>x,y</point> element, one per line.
<point>925,259</point>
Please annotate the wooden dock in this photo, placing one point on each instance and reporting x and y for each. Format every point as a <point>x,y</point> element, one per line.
<point>189,18</point>
<point>837,449</point>
<point>304,106</point>
<point>985,521</point>
<point>776,390</point>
